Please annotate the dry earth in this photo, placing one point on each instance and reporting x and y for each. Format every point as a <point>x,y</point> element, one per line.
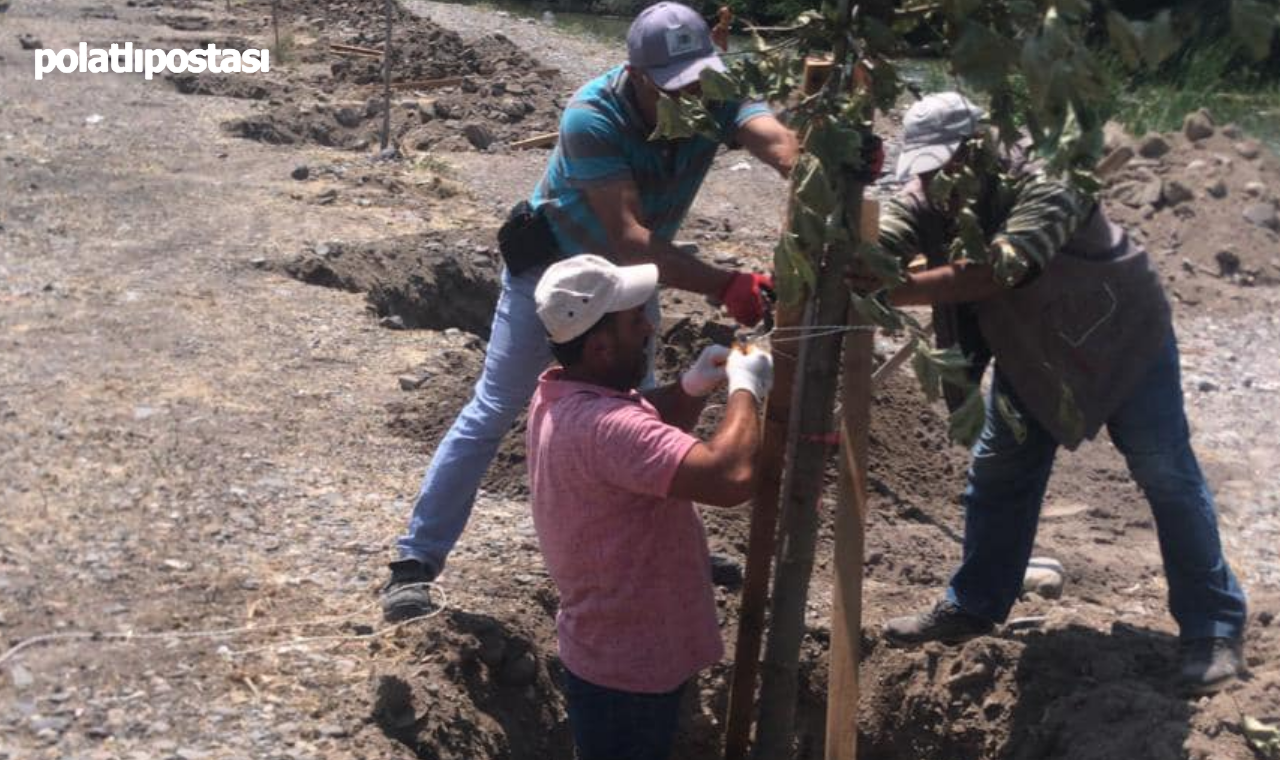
<point>196,439</point>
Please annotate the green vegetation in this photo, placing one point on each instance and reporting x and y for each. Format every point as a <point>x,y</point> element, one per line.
<point>1205,77</point>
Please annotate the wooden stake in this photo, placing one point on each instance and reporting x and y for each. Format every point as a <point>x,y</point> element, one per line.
<point>275,22</point>
<point>537,141</point>
<point>850,529</point>
<point>760,547</point>
<point>338,47</point>
<point>386,80</point>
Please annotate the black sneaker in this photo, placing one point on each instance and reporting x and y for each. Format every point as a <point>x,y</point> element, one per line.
<point>407,594</point>
<point>945,622</point>
<point>1209,664</point>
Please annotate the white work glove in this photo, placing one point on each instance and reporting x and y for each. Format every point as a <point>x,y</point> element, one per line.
<point>751,371</point>
<point>707,373</point>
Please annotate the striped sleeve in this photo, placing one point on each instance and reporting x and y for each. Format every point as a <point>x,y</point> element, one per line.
<point>899,230</point>
<point>591,147</point>
<point>1044,216</point>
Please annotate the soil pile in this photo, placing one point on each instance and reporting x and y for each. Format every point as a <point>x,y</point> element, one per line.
<point>1204,208</point>
<point>469,95</point>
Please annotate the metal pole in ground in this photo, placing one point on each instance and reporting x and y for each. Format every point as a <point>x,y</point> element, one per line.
<point>386,80</point>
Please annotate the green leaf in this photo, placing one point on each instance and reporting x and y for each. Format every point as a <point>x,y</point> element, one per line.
<point>682,118</point>
<point>967,421</point>
<point>872,309</point>
<point>1253,24</point>
<point>834,143</point>
<point>1069,413</point>
<point>881,263</point>
<point>981,56</point>
<point>792,271</point>
<point>1075,10</point>
<point>718,86</point>
<point>1011,417</point>
<point>1123,39</point>
<point>926,372</point>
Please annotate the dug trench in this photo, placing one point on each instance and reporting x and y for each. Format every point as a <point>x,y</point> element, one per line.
<point>1088,675</point>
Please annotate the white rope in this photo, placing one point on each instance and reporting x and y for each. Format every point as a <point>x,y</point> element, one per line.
<point>131,636</point>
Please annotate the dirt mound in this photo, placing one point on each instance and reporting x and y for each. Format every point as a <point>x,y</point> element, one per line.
<point>471,95</point>
<point>1206,210</point>
<point>474,686</point>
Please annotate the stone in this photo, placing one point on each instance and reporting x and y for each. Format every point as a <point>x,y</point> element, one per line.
<point>1262,215</point>
<point>1045,577</point>
<point>21,677</point>
<point>333,730</point>
<point>301,172</point>
<point>1228,262</point>
<point>1216,189</point>
<point>1248,149</point>
<point>1198,165</point>
<point>1255,189</point>
<point>1175,192</point>
<point>1197,125</point>
<point>393,322</point>
<point>349,116</point>
<point>1206,386</point>
<point>1232,131</point>
<point>410,382</point>
<point>726,571</point>
<point>480,136</point>
<point>1153,146</point>
<point>28,42</point>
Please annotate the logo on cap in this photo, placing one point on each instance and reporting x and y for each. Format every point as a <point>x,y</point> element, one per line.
<point>682,41</point>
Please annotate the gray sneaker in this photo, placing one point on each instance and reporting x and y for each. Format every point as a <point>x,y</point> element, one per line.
<point>407,594</point>
<point>1209,664</point>
<point>945,622</point>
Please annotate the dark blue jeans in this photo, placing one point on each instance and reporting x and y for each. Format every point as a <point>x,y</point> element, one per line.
<point>608,724</point>
<point>1007,482</point>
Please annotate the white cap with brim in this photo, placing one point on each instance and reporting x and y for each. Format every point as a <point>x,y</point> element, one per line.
<point>932,131</point>
<point>574,294</point>
<point>672,44</point>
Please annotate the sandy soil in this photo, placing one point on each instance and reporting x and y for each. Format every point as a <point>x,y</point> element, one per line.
<point>197,437</point>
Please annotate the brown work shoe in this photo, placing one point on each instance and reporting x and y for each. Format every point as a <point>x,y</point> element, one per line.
<point>945,622</point>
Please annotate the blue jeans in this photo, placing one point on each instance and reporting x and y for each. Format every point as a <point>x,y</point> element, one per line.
<point>1007,482</point>
<point>608,724</point>
<point>517,355</point>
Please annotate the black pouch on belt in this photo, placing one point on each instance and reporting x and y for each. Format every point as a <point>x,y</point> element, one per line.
<point>526,240</point>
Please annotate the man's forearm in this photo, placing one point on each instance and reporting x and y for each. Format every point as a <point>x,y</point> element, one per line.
<point>675,406</point>
<point>676,269</point>
<point>954,283</point>
<point>738,436</point>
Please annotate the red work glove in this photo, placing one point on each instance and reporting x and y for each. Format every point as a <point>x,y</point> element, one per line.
<point>744,299</point>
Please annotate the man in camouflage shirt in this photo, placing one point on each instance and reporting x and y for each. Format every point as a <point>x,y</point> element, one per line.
<point>1081,333</point>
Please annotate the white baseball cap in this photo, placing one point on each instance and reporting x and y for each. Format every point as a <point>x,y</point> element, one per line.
<point>576,293</point>
<point>933,129</point>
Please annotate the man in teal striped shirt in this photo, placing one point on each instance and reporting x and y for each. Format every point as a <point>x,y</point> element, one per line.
<point>611,191</point>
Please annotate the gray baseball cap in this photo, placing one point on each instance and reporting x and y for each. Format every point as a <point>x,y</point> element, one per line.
<point>933,129</point>
<point>672,44</point>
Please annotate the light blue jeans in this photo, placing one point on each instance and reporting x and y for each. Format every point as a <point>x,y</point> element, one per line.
<point>517,355</point>
<point>1007,483</point>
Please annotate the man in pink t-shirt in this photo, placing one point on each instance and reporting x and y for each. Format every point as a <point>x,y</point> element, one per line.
<point>614,475</point>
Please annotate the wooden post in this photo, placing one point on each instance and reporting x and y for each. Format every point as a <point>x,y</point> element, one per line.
<point>850,531</point>
<point>386,80</point>
<point>275,22</point>
<point>760,547</point>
